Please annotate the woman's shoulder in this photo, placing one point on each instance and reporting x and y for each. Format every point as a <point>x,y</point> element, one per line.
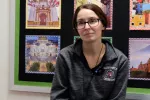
<point>73,48</point>
<point>115,51</point>
<point>67,49</point>
<point>120,54</point>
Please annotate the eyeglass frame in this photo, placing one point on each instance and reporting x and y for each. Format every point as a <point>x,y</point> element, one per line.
<point>88,23</point>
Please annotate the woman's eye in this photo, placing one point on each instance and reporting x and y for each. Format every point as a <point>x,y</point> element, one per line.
<point>80,23</point>
<point>92,20</point>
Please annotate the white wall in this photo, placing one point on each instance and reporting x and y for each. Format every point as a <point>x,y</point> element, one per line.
<point>4,45</point>
<point>5,93</point>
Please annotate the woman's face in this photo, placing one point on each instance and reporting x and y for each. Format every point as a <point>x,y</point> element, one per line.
<point>92,30</point>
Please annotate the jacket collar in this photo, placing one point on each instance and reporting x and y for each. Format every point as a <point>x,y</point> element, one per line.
<point>78,47</point>
<point>110,53</point>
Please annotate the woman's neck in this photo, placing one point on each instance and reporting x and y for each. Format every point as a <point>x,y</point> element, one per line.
<point>92,48</point>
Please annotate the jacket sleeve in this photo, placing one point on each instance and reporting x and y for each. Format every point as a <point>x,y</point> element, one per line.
<point>59,90</point>
<point>119,90</point>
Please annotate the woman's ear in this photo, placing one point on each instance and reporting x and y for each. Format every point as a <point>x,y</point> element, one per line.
<point>103,28</point>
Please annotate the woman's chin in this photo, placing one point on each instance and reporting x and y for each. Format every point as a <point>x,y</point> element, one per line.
<point>89,40</point>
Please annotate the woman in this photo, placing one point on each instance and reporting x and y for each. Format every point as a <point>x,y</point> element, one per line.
<point>90,69</point>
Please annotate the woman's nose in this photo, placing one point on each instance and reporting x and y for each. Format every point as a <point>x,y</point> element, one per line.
<point>87,26</point>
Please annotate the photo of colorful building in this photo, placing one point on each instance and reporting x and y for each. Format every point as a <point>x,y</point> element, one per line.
<point>139,14</point>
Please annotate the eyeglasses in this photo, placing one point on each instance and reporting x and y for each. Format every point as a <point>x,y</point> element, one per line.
<point>92,23</point>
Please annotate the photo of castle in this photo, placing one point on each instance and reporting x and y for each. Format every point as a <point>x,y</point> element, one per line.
<point>41,53</point>
<point>43,14</point>
<point>139,56</point>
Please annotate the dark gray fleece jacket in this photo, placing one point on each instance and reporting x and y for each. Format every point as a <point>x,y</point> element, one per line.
<point>74,80</point>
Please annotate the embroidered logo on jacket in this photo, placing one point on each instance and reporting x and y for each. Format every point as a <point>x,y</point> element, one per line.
<point>109,73</point>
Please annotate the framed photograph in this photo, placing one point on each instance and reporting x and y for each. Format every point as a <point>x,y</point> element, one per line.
<point>139,65</point>
<point>105,5</point>
<point>41,53</point>
<point>139,49</point>
<point>139,71</point>
<point>43,14</point>
<point>139,14</point>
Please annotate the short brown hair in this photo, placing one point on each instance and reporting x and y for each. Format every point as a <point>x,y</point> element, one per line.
<point>98,11</point>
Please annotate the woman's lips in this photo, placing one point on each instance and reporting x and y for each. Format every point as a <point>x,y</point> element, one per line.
<point>87,34</point>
